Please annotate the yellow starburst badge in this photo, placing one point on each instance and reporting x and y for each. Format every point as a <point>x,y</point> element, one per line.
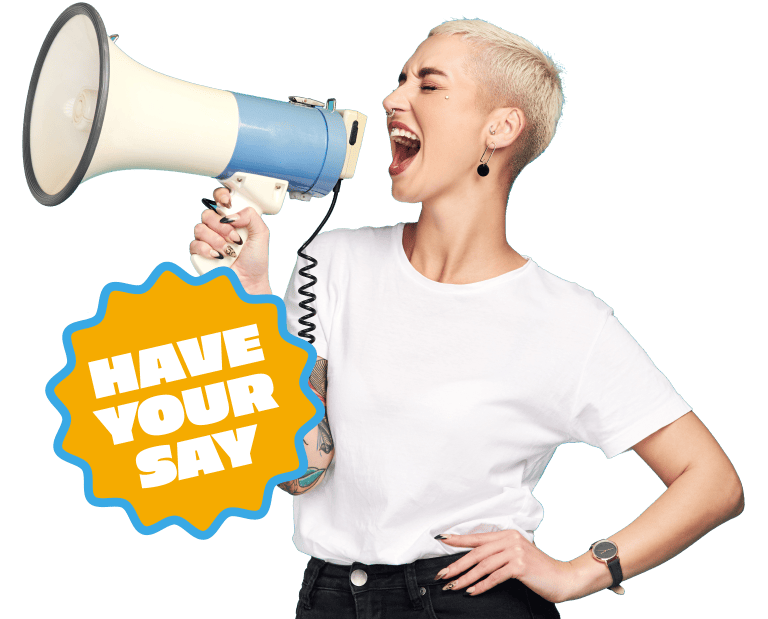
<point>185,400</point>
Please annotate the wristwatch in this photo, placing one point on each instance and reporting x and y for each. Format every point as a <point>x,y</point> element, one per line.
<point>607,552</point>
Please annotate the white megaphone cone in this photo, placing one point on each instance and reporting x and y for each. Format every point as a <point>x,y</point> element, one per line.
<point>91,109</point>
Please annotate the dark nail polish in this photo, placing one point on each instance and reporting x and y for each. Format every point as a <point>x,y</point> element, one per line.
<point>226,220</point>
<point>467,595</point>
<point>220,256</point>
<point>210,204</point>
<point>240,242</point>
<point>440,537</point>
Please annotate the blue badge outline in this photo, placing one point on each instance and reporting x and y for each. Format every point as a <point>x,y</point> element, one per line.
<point>67,419</point>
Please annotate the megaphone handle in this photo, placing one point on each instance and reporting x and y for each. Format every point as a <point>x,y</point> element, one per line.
<point>237,203</point>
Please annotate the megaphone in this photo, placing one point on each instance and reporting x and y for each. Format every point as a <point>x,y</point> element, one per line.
<point>92,109</point>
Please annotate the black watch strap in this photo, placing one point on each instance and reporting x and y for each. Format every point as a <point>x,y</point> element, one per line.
<point>615,567</point>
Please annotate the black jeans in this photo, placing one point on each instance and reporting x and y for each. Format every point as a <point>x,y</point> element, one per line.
<point>409,591</point>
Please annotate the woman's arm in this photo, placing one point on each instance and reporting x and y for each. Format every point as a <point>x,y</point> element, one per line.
<point>318,442</point>
<point>703,492</point>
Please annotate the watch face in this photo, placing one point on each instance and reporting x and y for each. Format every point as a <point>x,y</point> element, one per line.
<point>605,550</point>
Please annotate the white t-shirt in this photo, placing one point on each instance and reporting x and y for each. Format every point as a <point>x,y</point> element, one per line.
<point>447,401</point>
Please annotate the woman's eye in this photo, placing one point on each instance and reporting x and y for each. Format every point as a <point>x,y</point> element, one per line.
<point>429,87</point>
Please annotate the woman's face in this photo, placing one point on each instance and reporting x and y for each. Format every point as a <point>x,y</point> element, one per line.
<point>450,131</point>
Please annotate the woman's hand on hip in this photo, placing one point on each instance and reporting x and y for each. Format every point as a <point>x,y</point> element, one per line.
<point>501,555</point>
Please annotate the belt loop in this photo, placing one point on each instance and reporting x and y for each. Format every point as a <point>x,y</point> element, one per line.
<point>310,575</point>
<point>413,586</point>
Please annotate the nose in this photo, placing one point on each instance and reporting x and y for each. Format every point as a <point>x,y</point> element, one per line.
<point>395,101</point>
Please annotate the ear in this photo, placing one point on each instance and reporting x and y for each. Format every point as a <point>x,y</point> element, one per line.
<point>508,123</point>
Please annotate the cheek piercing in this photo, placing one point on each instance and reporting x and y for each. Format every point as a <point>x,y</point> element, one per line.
<point>446,96</point>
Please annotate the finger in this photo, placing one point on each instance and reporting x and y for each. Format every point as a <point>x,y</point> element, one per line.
<point>215,240</point>
<point>474,539</point>
<point>213,221</point>
<point>470,559</point>
<point>203,249</point>
<point>487,583</point>
<point>222,196</point>
<point>247,218</point>
<point>483,568</point>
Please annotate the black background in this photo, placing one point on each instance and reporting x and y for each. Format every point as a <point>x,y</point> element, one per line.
<point>608,206</point>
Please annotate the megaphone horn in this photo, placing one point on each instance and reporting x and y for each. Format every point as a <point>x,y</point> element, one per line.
<point>91,109</point>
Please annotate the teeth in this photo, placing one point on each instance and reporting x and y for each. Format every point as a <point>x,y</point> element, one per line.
<point>403,133</point>
<point>405,141</point>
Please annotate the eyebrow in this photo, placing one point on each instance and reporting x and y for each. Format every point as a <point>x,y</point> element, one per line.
<point>423,73</point>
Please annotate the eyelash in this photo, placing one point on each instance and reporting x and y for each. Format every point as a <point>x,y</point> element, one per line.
<point>421,87</point>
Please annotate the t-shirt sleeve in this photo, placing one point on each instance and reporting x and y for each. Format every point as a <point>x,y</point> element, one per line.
<point>292,299</point>
<point>622,396</point>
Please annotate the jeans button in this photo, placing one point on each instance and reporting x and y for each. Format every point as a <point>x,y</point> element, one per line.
<point>422,591</point>
<point>359,578</point>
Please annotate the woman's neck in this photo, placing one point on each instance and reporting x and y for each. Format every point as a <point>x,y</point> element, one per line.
<point>455,254</point>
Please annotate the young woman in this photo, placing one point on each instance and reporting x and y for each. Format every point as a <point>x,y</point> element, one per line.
<point>454,367</point>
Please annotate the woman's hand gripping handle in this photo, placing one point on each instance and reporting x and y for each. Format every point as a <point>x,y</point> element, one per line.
<point>234,237</point>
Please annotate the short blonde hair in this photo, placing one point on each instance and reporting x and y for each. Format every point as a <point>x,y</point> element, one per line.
<point>512,72</point>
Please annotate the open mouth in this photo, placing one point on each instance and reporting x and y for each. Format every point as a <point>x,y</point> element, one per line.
<point>403,156</point>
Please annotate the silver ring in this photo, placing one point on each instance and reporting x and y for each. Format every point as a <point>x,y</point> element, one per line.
<point>391,113</point>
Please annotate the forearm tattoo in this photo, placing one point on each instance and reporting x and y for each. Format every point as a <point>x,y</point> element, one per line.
<point>319,377</point>
<point>318,380</point>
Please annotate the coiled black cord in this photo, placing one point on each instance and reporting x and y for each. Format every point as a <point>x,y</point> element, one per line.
<point>304,272</point>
